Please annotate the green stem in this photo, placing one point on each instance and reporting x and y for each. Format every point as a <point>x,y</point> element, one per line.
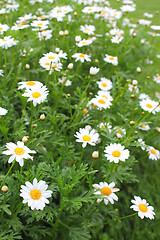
<point>7,173</point>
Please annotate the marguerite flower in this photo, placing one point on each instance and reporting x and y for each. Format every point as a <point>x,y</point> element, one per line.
<point>3,111</point>
<point>19,152</point>
<point>101,102</point>
<point>87,135</point>
<point>93,71</point>
<point>35,194</point>
<point>37,94</point>
<point>88,29</point>
<point>29,84</point>
<point>111,59</point>
<point>116,152</point>
<point>144,127</point>
<point>153,153</point>
<point>149,105</point>
<point>106,192</point>
<point>141,206</point>
<point>81,57</point>
<point>105,84</point>
<point>156,78</point>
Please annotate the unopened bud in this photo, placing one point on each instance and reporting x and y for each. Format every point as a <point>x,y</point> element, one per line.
<point>95,154</point>
<point>136,132</point>
<point>134,35</point>
<point>132,96</point>
<point>57,50</point>
<point>75,14</point>
<point>70,66</point>
<point>90,93</point>
<point>66,32</point>
<point>61,33</point>
<point>4,189</point>
<point>134,82</point>
<point>142,113</point>
<point>27,66</point>
<point>25,139</point>
<point>139,69</point>
<point>68,94</point>
<point>132,123</point>
<point>42,117</point>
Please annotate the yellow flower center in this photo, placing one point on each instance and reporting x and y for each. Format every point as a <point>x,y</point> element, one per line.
<point>19,151</point>
<point>19,25</point>
<point>51,57</point>
<point>104,84</point>
<point>106,191</point>
<point>1,28</point>
<point>118,131</point>
<point>86,138</point>
<point>47,64</point>
<point>4,40</point>
<point>101,101</point>
<point>153,151</point>
<point>144,127</point>
<point>81,55</point>
<point>111,58</point>
<point>35,194</point>
<point>40,24</point>
<point>143,208</point>
<point>84,42</point>
<point>30,83</point>
<point>149,105</point>
<point>87,29</point>
<point>116,153</point>
<point>36,94</point>
<point>104,96</point>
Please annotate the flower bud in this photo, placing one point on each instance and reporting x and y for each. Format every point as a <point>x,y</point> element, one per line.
<point>61,33</point>
<point>66,32</point>
<point>95,154</point>
<point>70,66</point>
<point>27,66</point>
<point>132,123</point>
<point>4,189</point>
<point>134,82</point>
<point>57,50</point>
<point>93,71</point>
<point>139,69</point>
<point>25,139</point>
<point>42,117</point>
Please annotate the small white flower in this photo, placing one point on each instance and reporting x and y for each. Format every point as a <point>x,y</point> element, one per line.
<point>105,84</point>
<point>93,71</point>
<point>106,192</point>
<point>18,152</point>
<point>81,57</point>
<point>153,153</point>
<point>144,127</point>
<point>141,206</point>
<point>111,59</point>
<point>88,29</point>
<point>37,94</point>
<point>3,111</point>
<point>29,84</point>
<point>87,135</point>
<point>116,152</point>
<point>35,194</point>
<point>156,78</point>
<point>149,105</point>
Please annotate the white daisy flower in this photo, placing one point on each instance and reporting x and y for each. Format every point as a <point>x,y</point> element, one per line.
<point>120,132</point>
<point>142,143</point>
<point>149,105</point>
<point>144,127</point>
<point>7,42</point>
<point>3,111</point>
<point>105,84</point>
<point>101,102</point>
<point>3,28</point>
<point>93,71</point>
<point>116,152</point>
<point>156,78</point>
<point>1,72</point>
<point>105,125</point>
<point>81,57</point>
<point>19,152</point>
<point>141,206</point>
<point>111,59</point>
<point>84,42</point>
<point>88,29</point>
<point>144,22</point>
<point>29,84</point>
<point>127,8</point>
<point>37,94</point>
<point>35,194</point>
<point>116,31</point>
<point>87,135</point>
<point>106,192</point>
<point>116,39</point>
<point>153,153</point>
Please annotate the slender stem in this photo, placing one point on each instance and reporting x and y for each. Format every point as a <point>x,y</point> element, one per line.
<point>7,173</point>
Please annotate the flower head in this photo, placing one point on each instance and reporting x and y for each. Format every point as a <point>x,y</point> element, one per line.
<point>87,135</point>
<point>141,206</point>
<point>35,194</point>
<point>116,152</point>
<point>106,192</point>
<point>19,152</point>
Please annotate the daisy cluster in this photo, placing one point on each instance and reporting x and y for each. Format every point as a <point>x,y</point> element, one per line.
<point>84,106</point>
